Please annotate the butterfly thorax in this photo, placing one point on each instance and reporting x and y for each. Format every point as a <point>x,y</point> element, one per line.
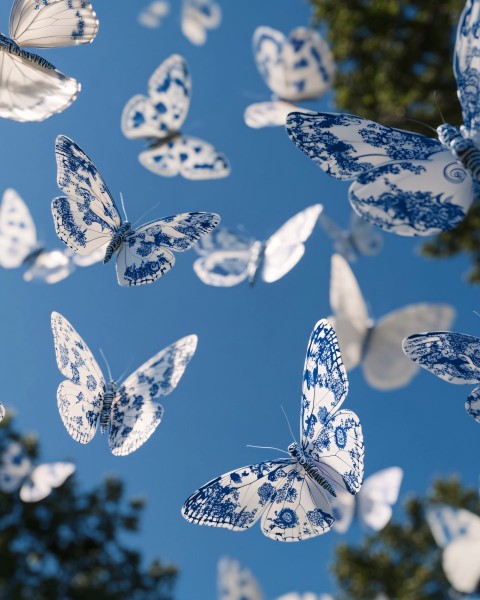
<point>110,391</point>
<point>33,255</point>
<point>256,261</point>
<point>464,149</point>
<point>366,339</point>
<point>117,240</point>
<point>8,45</point>
<point>310,466</point>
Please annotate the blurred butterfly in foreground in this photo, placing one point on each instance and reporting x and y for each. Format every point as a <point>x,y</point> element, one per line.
<point>297,67</point>
<point>228,258</point>
<point>237,583</point>
<point>31,88</point>
<point>372,505</point>
<point>87,220</point>
<point>158,118</point>
<point>454,357</point>
<point>293,495</point>
<point>362,238</point>
<point>35,483</point>
<point>377,346</point>
<point>404,182</point>
<point>457,531</point>
<point>128,411</point>
<point>19,245</point>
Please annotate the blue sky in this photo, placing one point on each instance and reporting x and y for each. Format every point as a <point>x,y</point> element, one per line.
<point>252,342</point>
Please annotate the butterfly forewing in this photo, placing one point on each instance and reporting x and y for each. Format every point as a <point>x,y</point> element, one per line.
<point>448,523</point>
<point>49,267</point>
<point>199,16</point>
<point>268,114</point>
<point>43,479</point>
<point>18,237</point>
<point>378,494</point>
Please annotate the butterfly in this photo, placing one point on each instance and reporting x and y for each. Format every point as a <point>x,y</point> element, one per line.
<point>153,14</point>
<point>457,531</point>
<point>2,412</point>
<point>198,17</point>
<point>87,220</point>
<point>293,495</point>
<point>158,118</point>
<point>372,505</point>
<point>19,245</point>
<point>35,483</point>
<point>297,67</point>
<point>128,411</point>
<point>31,88</point>
<point>361,239</point>
<point>228,258</point>
<point>454,357</point>
<point>377,346</point>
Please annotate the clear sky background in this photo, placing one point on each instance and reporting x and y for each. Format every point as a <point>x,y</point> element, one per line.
<point>252,342</point>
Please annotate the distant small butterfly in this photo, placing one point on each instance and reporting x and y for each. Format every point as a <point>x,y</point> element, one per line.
<point>198,18</point>
<point>153,14</point>
<point>159,116</point>
<point>19,245</point>
<point>31,88</point>
<point>228,258</point>
<point>35,483</point>
<point>293,495</point>
<point>454,357</point>
<point>129,411</point>
<point>87,220</point>
<point>457,531</point>
<point>406,183</point>
<point>297,67</point>
<point>361,239</point>
<point>372,505</point>
<point>377,346</point>
<point>2,412</point>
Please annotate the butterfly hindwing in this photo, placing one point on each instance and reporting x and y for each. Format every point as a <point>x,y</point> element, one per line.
<point>198,17</point>
<point>268,114</point>
<point>18,237</point>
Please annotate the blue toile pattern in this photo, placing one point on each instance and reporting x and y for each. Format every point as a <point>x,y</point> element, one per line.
<point>292,496</point>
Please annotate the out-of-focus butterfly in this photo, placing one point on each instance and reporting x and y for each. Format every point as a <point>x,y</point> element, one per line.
<point>31,88</point>
<point>158,118</point>
<point>454,357</point>
<point>87,220</point>
<point>293,495</point>
<point>372,505</point>
<point>297,67</point>
<point>236,582</point>
<point>377,346</point>
<point>457,531</point>
<point>153,14</point>
<point>2,412</point>
<point>198,18</point>
<point>404,182</point>
<point>228,258</point>
<point>361,239</point>
<point>35,483</point>
<point>19,245</point>
<point>128,410</point>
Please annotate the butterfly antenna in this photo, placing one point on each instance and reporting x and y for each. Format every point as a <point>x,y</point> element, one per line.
<point>108,366</point>
<point>288,423</point>
<point>126,369</point>
<point>422,124</point>
<point>438,106</point>
<point>268,448</point>
<point>123,206</point>
<point>145,214</point>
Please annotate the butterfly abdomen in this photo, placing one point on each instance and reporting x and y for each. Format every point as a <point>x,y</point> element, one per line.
<point>462,148</point>
<point>118,239</point>
<point>107,405</point>
<point>256,262</point>
<point>310,467</point>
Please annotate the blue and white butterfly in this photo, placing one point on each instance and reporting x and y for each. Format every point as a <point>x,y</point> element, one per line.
<point>35,483</point>
<point>159,116</point>
<point>404,182</point>
<point>293,495</point>
<point>362,238</point>
<point>454,357</point>
<point>31,88</point>
<point>153,14</point>
<point>228,258</point>
<point>372,506</point>
<point>129,411</point>
<point>19,245</point>
<point>457,531</point>
<point>198,18</point>
<point>297,67</point>
<point>87,219</point>
<point>377,346</point>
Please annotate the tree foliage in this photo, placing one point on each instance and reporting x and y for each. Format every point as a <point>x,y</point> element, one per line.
<point>71,545</point>
<point>394,60</point>
<point>402,561</point>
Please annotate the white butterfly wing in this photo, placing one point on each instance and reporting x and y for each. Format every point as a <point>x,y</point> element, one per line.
<point>236,582</point>
<point>80,397</point>
<point>378,494</point>
<point>2,412</point>
<point>350,311</point>
<point>135,412</point>
<point>50,267</point>
<point>18,236</point>
<point>153,14</point>
<point>187,156</point>
<point>448,523</point>
<point>268,114</point>
<point>80,260</point>
<point>461,564</point>
<point>52,24</point>
<point>365,237</point>
<point>222,238</point>
<point>43,479</point>
<point>198,17</point>
<point>14,467</point>
<point>385,366</point>
<point>343,507</point>
<point>285,247</point>
<point>223,268</point>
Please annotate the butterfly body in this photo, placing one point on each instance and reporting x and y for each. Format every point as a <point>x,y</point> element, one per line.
<point>110,392</point>
<point>311,467</point>
<point>256,261</point>
<point>118,240</point>
<point>9,45</point>
<point>463,148</point>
